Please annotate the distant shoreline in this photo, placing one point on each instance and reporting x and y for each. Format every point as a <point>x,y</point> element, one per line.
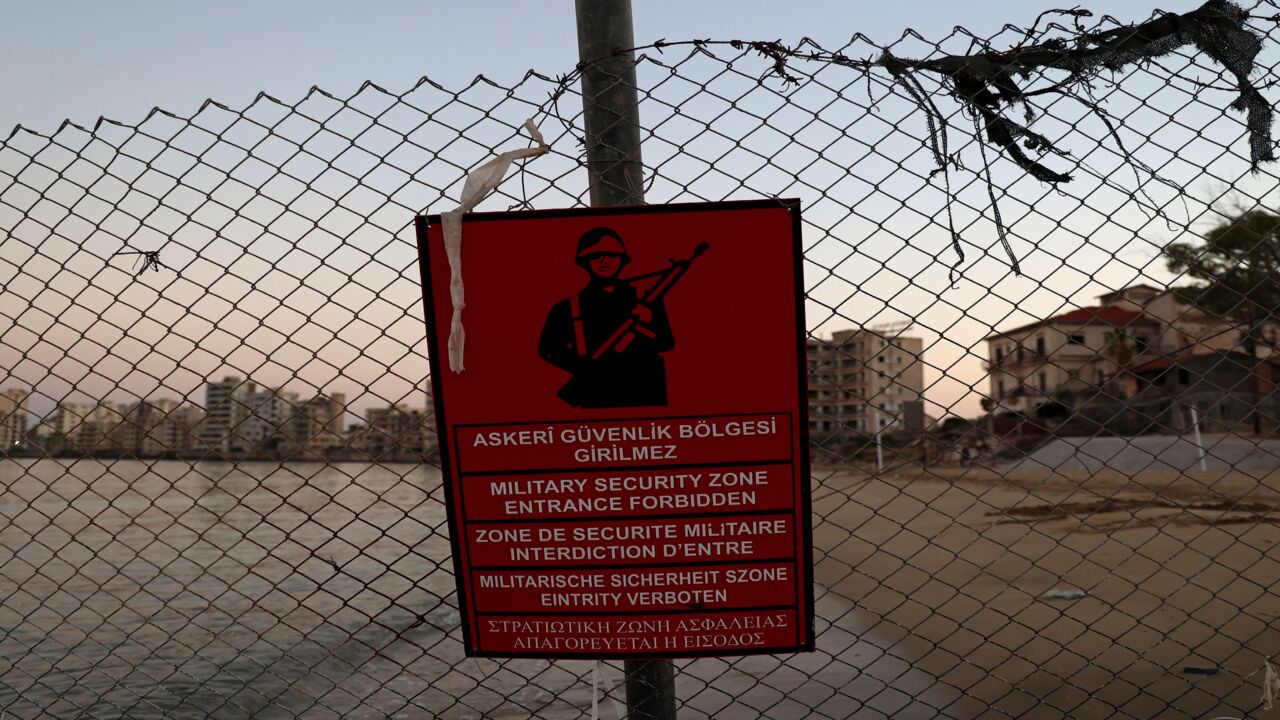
<point>399,458</point>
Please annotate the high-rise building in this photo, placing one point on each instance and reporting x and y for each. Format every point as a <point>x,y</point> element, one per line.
<point>397,432</point>
<point>177,434</point>
<point>864,381</point>
<point>430,440</point>
<point>267,425</point>
<point>101,429</point>
<point>85,429</point>
<point>13,418</point>
<point>316,424</point>
<point>139,434</point>
<point>58,431</point>
<point>64,420</point>
<point>226,407</point>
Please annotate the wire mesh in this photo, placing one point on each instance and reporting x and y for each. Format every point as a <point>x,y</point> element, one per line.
<point>220,499</point>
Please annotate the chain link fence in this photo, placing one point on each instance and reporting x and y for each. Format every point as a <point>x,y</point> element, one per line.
<point>1043,409</point>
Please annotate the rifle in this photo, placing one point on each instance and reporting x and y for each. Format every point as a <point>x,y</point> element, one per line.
<point>618,341</point>
<point>626,332</point>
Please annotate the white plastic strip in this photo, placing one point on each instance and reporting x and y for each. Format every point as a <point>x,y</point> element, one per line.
<point>595,691</point>
<point>1270,685</point>
<point>602,684</point>
<point>479,184</point>
<point>619,710</point>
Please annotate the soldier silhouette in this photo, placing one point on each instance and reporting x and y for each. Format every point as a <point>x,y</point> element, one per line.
<point>608,337</point>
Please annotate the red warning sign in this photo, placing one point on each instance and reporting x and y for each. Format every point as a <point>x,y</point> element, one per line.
<point>626,451</point>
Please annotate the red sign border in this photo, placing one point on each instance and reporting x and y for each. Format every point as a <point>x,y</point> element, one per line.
<point>436,341</point>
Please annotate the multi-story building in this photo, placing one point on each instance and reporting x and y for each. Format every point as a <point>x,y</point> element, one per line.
<point>140,419</point>
<point>58,431</point>
<point>353,439</point>
<point>64,420</point>
<point>226,407</point>
<point>316,424</point>
<point>430,438</point>
<point>13,418</point>
<point>148,428</point>
<point>865,381</point>
<point>100,430</point>
<point>176,434</point>
<point>397,432</point>
<point>156,427</point>
<point>1092,351</point>
<point>266,427</point>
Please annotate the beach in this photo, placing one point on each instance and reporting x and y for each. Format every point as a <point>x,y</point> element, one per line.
<point>264,590</point>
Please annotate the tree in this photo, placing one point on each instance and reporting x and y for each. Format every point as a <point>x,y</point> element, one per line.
<point>1237,274</point>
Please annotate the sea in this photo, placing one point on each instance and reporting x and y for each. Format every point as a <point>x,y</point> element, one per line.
<point>176,589</point>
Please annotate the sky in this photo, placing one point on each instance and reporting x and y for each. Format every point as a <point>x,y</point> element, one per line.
<point>118,60</point>
<point>83,59</point>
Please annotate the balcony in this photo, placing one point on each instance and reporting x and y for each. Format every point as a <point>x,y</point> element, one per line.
<point>1015,359</point>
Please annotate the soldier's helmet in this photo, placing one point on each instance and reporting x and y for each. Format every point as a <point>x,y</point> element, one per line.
<point>599,241</point>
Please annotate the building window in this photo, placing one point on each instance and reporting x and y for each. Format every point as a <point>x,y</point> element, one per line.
<point>1141,343</point>
<point>1075,339</point>
<point>1184,376</point>
<point>1044,383</point>
<point>1040,345</point>
<point>999,354</point>
<point>1000,389</point>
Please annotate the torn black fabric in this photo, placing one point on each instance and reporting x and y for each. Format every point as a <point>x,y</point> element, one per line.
<point>988,83</point>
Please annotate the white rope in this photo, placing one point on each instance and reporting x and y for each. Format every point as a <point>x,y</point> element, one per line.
<point>479,184</point>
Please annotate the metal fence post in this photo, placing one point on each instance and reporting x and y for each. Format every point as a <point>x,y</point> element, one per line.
<point>1195,425</point>
<point>611,106</point>
<point>879,444</point>
<point>611,115</point>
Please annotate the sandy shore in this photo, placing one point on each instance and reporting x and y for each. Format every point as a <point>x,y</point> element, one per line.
<point>929,604</point>
<point>946,569</point>
<point>929,601</point>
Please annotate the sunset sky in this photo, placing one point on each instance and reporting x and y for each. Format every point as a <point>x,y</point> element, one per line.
<point>80,60</point>
<point>316,287</point>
